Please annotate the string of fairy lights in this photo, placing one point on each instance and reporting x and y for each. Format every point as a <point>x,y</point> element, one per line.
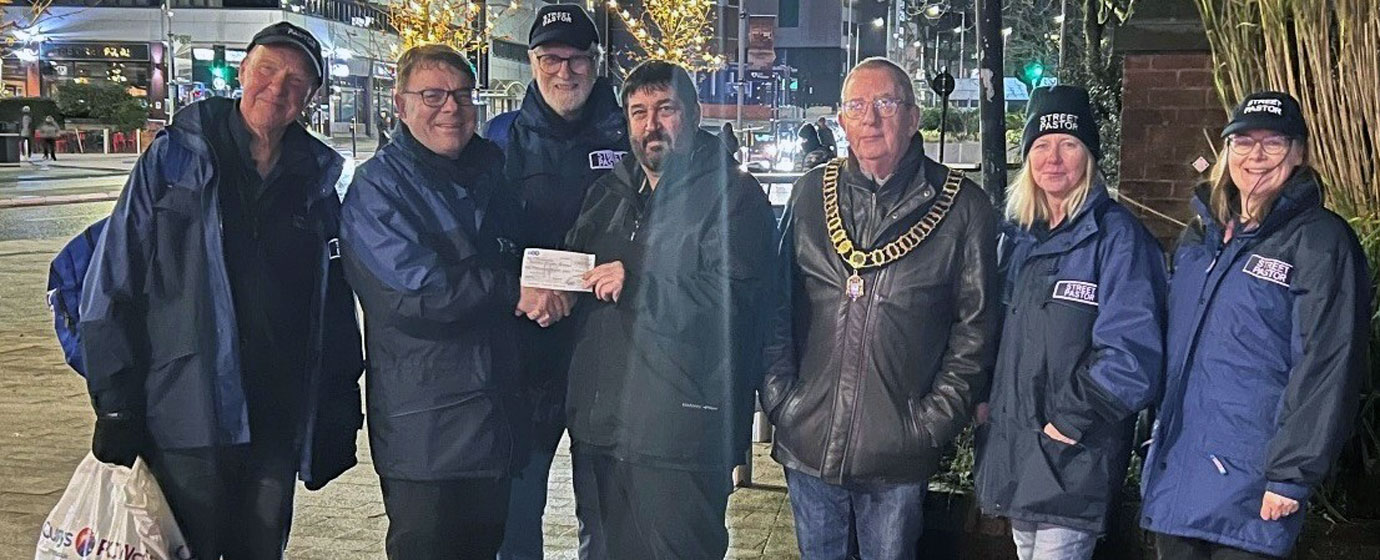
<point>678,31</point>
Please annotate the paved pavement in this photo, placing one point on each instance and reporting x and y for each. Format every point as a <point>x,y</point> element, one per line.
<point>45,428</point>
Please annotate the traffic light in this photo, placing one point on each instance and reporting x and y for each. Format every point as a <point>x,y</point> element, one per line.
<point>795,84</point>
<point>220,73</point>
<point>1033,73</point>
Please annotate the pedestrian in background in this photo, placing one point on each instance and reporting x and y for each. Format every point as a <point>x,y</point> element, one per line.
<point>1268,334</point>
<point>568,133</point>
<point>669,349</point>
<point>1083,342</point>
<point>48,134</point>
<point>826,137</point>
<point>888,330</point>
<point>26,132</point>
<point>730,139</point>
<point>812,153</point>
<point>219,335</point>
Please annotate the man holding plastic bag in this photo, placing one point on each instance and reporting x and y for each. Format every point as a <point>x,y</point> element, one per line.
<point>218,333</point>
<point>111,511</point>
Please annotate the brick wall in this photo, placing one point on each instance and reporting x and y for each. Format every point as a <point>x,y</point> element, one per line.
<point>1170,117</point>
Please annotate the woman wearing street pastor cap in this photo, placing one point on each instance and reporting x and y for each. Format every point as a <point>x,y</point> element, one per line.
<point>1268,326</point>
<point>1081,351</point>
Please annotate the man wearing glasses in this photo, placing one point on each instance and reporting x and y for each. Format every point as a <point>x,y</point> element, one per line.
<point>890,258</point>
<point>426,237</point>
<point>569,132</point>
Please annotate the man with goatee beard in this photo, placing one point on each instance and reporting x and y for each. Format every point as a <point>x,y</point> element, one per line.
<point>669,344</point>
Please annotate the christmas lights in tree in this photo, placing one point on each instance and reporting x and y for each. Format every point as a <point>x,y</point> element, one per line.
<point>460,24</point>
<point>678,31</point>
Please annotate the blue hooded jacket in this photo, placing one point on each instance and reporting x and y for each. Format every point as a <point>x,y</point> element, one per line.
<point>1266,352</point>
<point>423,240</point>
<point>158,324</point>
<point>1082,349</point>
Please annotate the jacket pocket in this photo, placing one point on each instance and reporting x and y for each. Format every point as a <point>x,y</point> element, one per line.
<point>917,425</point>
<point>176,241</point>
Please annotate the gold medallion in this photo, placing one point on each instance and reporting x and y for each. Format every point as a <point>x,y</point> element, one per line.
<point>853,255</point>
<point>855,286</point>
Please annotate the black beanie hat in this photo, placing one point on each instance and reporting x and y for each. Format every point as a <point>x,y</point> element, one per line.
<point>1061,109</point>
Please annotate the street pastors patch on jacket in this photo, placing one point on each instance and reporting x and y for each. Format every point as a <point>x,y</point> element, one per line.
<point>1267,349</point>
<point>1082,348</point>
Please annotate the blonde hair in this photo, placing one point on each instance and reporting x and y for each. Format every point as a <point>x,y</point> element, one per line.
<point>1225,198</point>
<point>1026,203</point>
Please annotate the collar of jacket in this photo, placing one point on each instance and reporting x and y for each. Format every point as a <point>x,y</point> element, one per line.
<point>477,158</point>
<point>191,124</point>
<point>707,155</point>
<point>1082,226</point>
<point>1301,192</point>
<point>601,111</point>
<point>912,186</point>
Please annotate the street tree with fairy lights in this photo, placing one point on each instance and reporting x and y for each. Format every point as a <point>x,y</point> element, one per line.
<point>678,31</point>
<point>461,24</point>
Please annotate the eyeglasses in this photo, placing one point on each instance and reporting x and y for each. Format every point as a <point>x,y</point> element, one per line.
<point>886,107</point>
<point>1273,145</point>
<point>464,97</point>
<point>579,64</point>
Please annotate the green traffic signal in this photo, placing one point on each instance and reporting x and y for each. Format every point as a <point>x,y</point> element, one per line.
<point>218,71</point>
<point>1033,72</point>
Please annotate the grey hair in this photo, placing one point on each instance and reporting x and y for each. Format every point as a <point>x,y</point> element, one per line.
<point>897,74</point>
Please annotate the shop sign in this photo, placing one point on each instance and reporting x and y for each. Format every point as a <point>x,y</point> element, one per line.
<point>108,52</point>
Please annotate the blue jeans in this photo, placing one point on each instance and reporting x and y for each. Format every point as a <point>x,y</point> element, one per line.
<point>875,521</point>
<point>522,536</point>
<point>1047,541</point>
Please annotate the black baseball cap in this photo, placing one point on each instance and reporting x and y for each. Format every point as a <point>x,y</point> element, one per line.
<point>1268,110</point>
<point>284,33</point>
<point>567,24</point>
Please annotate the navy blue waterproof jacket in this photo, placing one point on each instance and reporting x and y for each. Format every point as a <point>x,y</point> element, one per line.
<point>552,162</point>
<point>1082,348</point>
<point>158,324</point>
<point>1266,354</point>
<point>420,236</point>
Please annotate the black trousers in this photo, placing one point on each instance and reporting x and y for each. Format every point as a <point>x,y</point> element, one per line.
<point>451,519</point>
<point>232,502</point>
<point>649,513</point>
<point>1171,547</point>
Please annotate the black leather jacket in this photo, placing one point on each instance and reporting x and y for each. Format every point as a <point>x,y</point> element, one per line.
<point>871,390</point>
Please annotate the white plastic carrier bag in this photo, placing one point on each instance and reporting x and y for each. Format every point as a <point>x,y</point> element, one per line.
<point>111,513</point>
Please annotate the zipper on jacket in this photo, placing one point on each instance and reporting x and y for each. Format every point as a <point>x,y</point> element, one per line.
<point>857,387</point>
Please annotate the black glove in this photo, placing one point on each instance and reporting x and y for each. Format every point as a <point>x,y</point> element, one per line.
<point>118,439</point>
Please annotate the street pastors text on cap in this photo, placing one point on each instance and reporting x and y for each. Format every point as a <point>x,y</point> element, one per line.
<point>1268,110</point>
<point>284,33</point>
<point>1064,110</point>
<point>567,24</point>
